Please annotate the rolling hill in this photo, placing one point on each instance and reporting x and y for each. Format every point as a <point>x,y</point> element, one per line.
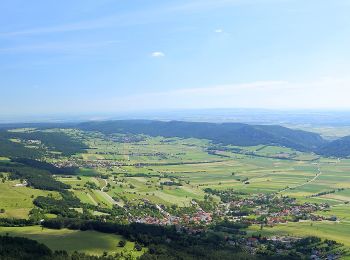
<point>337,148</point>
<point>225,133</point>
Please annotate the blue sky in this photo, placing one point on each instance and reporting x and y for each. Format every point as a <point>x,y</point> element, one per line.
<point>87,56</point>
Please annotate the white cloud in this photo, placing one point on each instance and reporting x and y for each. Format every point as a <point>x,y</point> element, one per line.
<point>219,30</point>
<point>158,54</point>
<point>324,93</point>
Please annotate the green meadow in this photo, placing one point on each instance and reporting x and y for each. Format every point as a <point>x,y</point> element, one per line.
<point>90,242</point>
<point>18,201</point>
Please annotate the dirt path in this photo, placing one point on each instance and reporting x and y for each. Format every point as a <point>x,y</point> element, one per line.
<point>107,196</point>
<point>106,183</point>
<point>305,183</point>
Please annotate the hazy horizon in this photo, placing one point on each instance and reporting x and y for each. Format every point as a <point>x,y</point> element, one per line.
<point>330,118</point>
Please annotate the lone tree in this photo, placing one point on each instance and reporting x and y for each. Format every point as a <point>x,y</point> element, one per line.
<point>138,247</point>
<point>121,243</point>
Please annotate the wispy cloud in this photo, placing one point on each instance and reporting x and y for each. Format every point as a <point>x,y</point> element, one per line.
<point>321,93</point>
<point>104,22</point>
<point>66,47</point>
<point>131,18</point>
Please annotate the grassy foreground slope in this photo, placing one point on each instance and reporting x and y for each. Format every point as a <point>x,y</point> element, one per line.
<point>90,242</point>
<point>18,201</point>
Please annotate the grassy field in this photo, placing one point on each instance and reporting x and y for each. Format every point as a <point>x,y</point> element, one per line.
<point>18,201</point>
<point>89,242</point>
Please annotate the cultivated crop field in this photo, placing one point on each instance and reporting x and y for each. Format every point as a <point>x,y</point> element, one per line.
<point>147,162</point>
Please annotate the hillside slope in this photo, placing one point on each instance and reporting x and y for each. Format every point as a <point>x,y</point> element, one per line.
<point>225,133</point>
<point>337,148</point>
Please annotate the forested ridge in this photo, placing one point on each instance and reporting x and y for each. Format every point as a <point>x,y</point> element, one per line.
<point>57,141</point>
<point>36,178</point>
<point>227,134</point>
<point>337,148</point>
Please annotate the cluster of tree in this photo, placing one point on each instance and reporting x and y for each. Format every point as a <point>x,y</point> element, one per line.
<point>13,222</point>
<point>13,149</point>
<point>171,183</point>
<point>225,195</point>
<point>180,211</point>
<point>63,207</point>
<point>14,248</point>
<point>91,185</point>
<point>145,175</point>
<point>231,227</point>
<point>215,152</point>
<point>215,147</point>
<point>36,178</point>
<point>143,209</point>
<point>208,204</point>
<point>45,166</point>
<point>326,192</point>
<point>22,248</point>
<point>57,141</point>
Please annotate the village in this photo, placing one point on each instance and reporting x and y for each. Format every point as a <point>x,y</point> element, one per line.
<point>255,244</point>
<point>260,209</point>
